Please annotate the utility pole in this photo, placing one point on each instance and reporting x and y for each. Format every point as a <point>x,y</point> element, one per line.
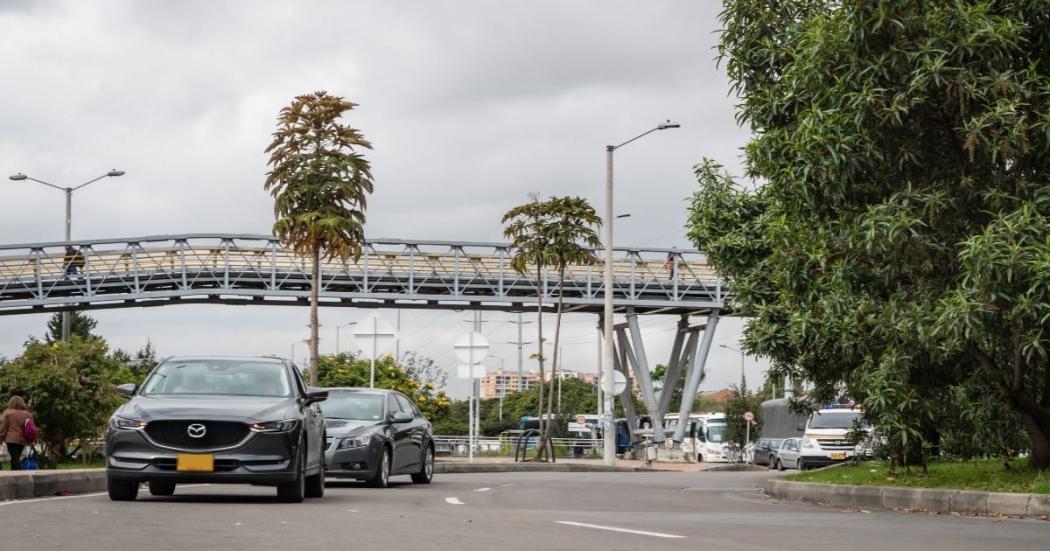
<point>520,343</point>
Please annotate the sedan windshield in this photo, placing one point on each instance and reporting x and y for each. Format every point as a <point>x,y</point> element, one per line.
<point>835,419</point>
<point>219,377</point>
<point>357,406</point>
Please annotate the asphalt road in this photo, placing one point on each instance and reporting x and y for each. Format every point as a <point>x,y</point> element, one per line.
<point>534,511</point>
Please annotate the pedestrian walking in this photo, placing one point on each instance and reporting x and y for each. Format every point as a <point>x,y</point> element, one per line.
<point>670,264</point>
<point>13,427</point>
<point>73,260</point>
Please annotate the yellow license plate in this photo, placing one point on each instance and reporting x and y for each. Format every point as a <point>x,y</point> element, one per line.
<point>838,456</point>
<point>195,463</point>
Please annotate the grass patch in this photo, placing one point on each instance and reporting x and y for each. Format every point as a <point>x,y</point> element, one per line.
<point>983,475</point>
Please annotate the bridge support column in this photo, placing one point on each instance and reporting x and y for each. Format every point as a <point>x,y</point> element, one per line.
<point>637,359</point>
<point>694,376</point>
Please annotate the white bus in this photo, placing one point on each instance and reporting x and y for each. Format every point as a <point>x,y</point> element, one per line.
<point>704,438</point>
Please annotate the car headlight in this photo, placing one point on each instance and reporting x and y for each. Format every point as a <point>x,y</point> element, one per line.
<point>275,426</point>
<point>358,441</point>
<point>126,423</point>
<point>810,444</point>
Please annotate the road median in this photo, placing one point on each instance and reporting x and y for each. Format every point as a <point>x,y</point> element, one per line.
<point>965,502</point>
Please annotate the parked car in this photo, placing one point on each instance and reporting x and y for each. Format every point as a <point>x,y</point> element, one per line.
<point>374,434</point>
<point>765,450</point>
<point>218,419</point>
<point>801,454</point>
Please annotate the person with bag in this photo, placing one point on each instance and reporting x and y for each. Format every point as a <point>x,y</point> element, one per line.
<point>17,429</point>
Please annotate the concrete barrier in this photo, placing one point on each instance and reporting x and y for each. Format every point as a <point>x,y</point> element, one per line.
<point>27,484</point>
<point>913,499</point>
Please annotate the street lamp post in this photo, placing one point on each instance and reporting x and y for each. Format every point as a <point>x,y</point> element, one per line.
<point>741,360</point>
<point>607,348</point>
<point>69,219</point>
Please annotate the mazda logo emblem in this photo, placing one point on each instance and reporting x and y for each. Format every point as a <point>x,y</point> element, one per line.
<point>196,430</point>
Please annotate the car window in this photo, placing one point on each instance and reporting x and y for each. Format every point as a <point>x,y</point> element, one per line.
<point>299,379</point>
<point>359,406</point>
<point>404,404</point>
<point>217,377</point>
<point>391,405</point>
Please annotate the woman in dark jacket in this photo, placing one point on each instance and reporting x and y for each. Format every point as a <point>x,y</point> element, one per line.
<point>14,420</point>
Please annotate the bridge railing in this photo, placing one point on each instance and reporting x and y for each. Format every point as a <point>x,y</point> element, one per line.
<point>255,265</point>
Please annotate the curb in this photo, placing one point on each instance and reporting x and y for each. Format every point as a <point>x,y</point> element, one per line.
<point>28,484</point>
<point>916,499</point>
<point>444,467</point>
<point>736,467</point>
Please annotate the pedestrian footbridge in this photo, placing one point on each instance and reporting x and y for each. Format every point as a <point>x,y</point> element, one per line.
<point>397,273</point>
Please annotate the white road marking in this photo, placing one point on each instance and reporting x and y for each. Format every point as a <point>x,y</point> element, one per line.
<point>351,510</point>
<point>57,498</point>
<point>617,529</point>
<point>482,489</point>
<point>454,501</point>
<point>505,485</point>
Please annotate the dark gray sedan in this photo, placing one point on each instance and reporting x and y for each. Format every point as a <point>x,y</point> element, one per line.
<point>766,450</point>
<point>374,434</point>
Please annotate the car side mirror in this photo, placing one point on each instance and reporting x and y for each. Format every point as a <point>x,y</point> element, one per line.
<point>401,417</point>
<point>313,396</point>
<point>126,390</point>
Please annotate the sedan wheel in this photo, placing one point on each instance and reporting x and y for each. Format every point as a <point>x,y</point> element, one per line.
<point>780,465</point>
<point>426,474</point>
<point>801,464</point>
<point>295,491</point>
<point>382,477</point>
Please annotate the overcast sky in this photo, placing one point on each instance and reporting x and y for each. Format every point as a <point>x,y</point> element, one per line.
<point>470,105</point>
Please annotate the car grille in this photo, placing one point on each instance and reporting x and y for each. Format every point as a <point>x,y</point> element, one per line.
<point>219,434</point>
<point>836,445</point>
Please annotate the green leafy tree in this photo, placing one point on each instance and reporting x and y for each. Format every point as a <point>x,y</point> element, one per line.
<point>320,183</point>
<point>898,237</point>
<point>80,325</point>
<point>68,387</point>
<point>740,402</point>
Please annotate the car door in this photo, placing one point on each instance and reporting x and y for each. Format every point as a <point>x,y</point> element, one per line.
<point>399,435</point>
<point>790,457</point>
<point>313,423</point>
<point>416,429</point>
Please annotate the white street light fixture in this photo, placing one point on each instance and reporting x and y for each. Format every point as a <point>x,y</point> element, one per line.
<point>609,455</point>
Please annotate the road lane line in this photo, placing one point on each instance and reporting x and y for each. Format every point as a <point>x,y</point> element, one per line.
<point>57,498</point>
<point>454,501</point>
<point>617,529</point>
<point>482,489</point>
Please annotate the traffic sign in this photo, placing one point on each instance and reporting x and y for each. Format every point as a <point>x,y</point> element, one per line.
<point>619,384</point>
<point>471,348</point>
<point>373,335</point>
<point>581,419</point>
<point>749,417</point>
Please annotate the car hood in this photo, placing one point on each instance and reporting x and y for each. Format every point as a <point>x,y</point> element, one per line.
<point>348,427</point>
<point>253,409</point>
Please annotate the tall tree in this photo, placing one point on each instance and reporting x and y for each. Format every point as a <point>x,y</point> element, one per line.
<point>526,227</point>
<point>898,239</point>
<point>80,325</point>
<point>320,184</point>
<point>572,229</point>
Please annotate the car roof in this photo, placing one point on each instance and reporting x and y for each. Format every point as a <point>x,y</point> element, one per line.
<point>226,357</point>
<point>360,389</point>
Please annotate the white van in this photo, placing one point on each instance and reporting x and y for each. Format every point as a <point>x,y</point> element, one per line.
<point>824,439</point>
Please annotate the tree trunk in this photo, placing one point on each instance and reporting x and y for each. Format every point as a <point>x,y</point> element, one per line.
<point>555,355</point>
<point>315,287</point>
<point>542,445</point>
<point>1039,434</point>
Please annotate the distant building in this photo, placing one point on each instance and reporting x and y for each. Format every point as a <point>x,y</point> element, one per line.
<point>585,376</point>
<point>502,382</point>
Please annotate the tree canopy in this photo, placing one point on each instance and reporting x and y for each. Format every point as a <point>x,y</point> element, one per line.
<point>895,243</point>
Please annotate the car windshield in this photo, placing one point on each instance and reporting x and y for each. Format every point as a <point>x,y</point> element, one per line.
<point>716,433</point>
<point>357,406</point>
<point>219,378</point>
<point>774,443</point>
<point>835,419</point>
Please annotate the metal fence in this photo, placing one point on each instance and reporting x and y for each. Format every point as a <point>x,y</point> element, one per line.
<point>504,446</point>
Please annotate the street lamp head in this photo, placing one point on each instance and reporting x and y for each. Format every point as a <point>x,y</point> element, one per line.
<point>114,173</point>
<point>18,177</point>
<point>667,124</point>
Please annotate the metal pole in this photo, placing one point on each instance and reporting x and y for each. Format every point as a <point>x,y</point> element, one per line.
<point>609,447</point>
<point>372,373</point>
<point>337,329</point>
<point>521,364</point>
<point>561,374</point>
<point>470,401</point>
<point>599,385</point>
<point>67,322</point>
<point>397,338</point>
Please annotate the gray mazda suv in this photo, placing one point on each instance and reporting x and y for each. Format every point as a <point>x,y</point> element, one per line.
<point>218,419</point>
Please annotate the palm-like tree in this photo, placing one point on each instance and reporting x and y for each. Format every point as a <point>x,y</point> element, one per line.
<point>526,229</point>
<point>572,232</point>
<point>320,184</point>
<point>559,232</point>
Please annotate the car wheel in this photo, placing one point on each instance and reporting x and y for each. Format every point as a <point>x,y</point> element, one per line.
<point>382,477</point>
<point>294,491</point>
<point>161,488</point>
<point>315,483</point>
<point>426,474</point>
<point>699,458</point>
<point>772,464</point>
<point>801,464</point>
<point>122,490</point>
<point>780,465</point>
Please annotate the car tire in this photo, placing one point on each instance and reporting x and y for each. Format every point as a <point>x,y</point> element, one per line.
<point>381,479</point>
<point>426,473</point>
<point>315,483</point>
<point>699,458</point>
<point>772,464</point>
<point>295,491</point>
<point>161,488</point>
<point>801,464</point>
<point>780,465</point>
<point>122,490</point>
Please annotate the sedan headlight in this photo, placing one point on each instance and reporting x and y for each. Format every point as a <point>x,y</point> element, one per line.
<point>358,441</point>
<point>275,426</point>
<point>126,423</point>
